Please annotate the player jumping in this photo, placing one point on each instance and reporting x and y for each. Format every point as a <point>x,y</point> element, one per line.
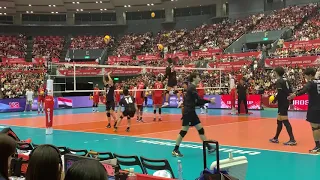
<point>313,89</point>
<point>283,91</point>
<point>157,97</point>
<point>190,117</point>
<point>109,92</point>
<point>171,74</point>
<point>128,102</point>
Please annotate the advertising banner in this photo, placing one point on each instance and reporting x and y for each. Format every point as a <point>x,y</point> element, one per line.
<point>13,60</point>
<point>80,72</point>
<point>253,101</point>
<point>114,59</point>
<point>240,56</point>
<point>179,55</point>
<point>148,57</point>
<point>44,60</point>
<point>208,53</point>
<point>293,61</point>
<point>302,44</point>
<point>236,65</point>
<point>299,103</point>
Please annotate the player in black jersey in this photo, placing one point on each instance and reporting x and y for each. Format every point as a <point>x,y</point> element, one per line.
<point>190,117</point>
<point>184,91</point>
<point>130,107</point>
<point>313,89</point>
<point>283,91</point>
<point>110,104</point>
<point>171,74</point>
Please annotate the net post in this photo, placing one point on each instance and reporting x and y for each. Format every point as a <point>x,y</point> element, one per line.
<point>220,71</point>
<point>74,78</point>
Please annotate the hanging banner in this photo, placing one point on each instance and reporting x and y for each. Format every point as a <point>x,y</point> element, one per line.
<point>303,61</point>
<point>302,44</point>
<point>13,60</point>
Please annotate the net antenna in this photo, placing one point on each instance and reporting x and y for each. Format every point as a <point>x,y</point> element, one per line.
<point>144,68</point>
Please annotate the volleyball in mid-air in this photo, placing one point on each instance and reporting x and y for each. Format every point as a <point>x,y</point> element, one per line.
<point>271,99</point>
<point>160,47</point>
<point>153,14</point>
<point>106,38</point>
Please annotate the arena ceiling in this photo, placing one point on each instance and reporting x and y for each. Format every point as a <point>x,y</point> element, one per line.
<point>12,7</point>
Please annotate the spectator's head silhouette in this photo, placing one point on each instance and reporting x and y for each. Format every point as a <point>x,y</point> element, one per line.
<point>44,163</point>
<point>86,170</point>
<point>8,148</point>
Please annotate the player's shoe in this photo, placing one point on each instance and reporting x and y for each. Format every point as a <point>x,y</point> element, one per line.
<point>176,153</point>
<point>109,126</point>
<point>159,119</point>
<point>315,150</point>
<point>115,129</point>
<point>273,140</point>
<point>166,104</point>
<point>128,129</point>
<point>154,119</point>
<point>290,143</point>
<point>211,149</point>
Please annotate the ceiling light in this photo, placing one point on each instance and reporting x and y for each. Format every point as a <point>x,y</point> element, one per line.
<point>73,2</point>
<point>152,4</point>
<point>54,5</point>
<point>77,9</point>
<point>148,4</point>
<point>31,11</point>
<point>172,0</point>
<point>129,6</point>
<point>138,10</point>
<point>5,7</point>
<point>81,9</point>
<point>0,7</point>
<point>125,5</point>
<point>5,13</point>
<point>0,13</point>
<point>30,5</point>
<point>56,12</point>
<point>100,1</point>
<point>101,9</point>
<point>78,2</point>
<point>97,2</point>
<point>52,12</point>
<point>49,5</point>
<point>27,11</point>
<point>105,9</point>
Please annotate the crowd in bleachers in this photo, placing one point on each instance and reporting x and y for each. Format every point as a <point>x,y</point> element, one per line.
<point>89,42</point>
<point>310,29</point>
<point>47,46</point>
<point>16,78</point>
<point>287,17</point>
<point>13,46</point>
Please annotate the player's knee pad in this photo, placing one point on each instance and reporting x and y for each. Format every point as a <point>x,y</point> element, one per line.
<point>159,110</point>
<point>154,111</point>
<point>108,114</point>
<point>183,133</point>
<point>201,131</point>
<point>286,123</point>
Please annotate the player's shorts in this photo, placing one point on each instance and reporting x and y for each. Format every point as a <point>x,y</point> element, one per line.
<point>172,83</point>
<point>110,105</point>
<point>283,109</point>
<point>190,118</point>
<point>140,107</point>
<point>29,102</point>
<point>96,99</point>
<point>40,99</point>
<point>139,101</point>
<point>128,114</point>
<point>313,117</point>
<point>158,101</point>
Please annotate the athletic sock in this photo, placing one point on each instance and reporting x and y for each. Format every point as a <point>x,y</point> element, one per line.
<point>317,144</point>
<point>279,129</point>
<point>289,129</point>
<point>176,148</point>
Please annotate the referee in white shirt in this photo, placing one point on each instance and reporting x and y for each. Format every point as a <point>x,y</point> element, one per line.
<point>29,99</point>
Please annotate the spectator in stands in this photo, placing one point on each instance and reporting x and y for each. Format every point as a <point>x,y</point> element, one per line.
<point>8,148</point>
<point>45,163</point>
<point>86,170</point>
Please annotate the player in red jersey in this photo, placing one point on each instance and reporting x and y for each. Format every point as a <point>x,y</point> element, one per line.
<point>157,97</point>
<point>41,97</point>
<point>139,97</point>
<point>201,93</point>
<point>96,96</point>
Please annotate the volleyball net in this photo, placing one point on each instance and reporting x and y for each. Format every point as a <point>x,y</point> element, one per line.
<point>82,78</point>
